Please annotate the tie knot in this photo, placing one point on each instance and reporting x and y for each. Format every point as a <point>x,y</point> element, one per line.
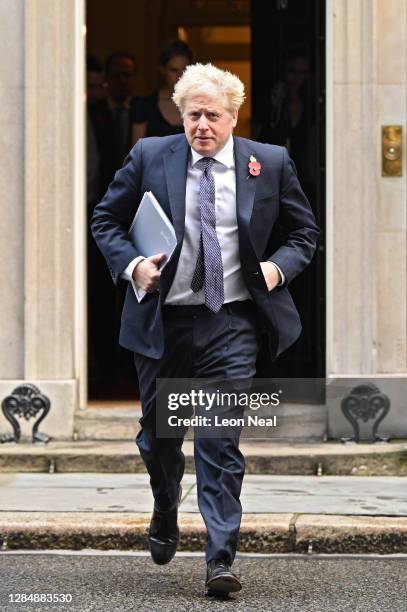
<point>207,163</point>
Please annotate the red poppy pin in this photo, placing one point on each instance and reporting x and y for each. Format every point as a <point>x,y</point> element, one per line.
<point>254,166</point>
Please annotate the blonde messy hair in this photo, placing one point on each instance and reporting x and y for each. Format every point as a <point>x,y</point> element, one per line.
<point>209,80</point>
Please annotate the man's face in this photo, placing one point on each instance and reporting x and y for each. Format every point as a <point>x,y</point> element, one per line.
<point>120,78</point>
<point>207,124</point>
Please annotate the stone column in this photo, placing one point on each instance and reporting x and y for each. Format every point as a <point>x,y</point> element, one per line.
<point>366,213</point>
<point>12,189</point>
<point>48,323</point>
<point>391,94</point>
<point>366,232</point>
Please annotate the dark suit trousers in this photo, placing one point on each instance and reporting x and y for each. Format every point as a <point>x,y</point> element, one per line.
<point>200,344</point>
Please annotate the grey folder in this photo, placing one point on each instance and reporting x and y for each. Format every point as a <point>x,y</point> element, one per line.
<point>151,231</point>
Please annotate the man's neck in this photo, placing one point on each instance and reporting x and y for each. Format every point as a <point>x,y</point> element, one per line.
<point>223,152</point>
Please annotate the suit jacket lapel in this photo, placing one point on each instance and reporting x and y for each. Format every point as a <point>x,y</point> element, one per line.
<point>175,164</point>
<point>245,183</point>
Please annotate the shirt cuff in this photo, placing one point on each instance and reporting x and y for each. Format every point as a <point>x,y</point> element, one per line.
<point>127,275</point>
<point>282,281</point>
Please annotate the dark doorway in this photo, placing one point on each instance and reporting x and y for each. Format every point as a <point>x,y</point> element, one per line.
<point>288,109</point>
<point>278,49</point>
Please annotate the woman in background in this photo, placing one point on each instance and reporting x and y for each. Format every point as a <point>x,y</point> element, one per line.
<point>156,114</point>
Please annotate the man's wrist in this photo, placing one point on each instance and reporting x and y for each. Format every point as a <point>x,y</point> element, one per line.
<point>127,273</point>
<point>281,276</point>
<point>139,259</point>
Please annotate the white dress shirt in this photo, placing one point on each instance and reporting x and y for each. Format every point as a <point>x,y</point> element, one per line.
<point>226,230</point>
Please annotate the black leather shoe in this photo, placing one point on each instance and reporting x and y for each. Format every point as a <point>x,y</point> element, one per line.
<point>163,534</point>
<point>220,580</point>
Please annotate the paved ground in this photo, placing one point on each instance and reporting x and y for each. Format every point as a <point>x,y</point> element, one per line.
<point>125,583</point>
<point>369,496</point>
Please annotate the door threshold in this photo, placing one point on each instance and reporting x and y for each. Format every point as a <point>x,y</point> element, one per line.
<point>112,403</point>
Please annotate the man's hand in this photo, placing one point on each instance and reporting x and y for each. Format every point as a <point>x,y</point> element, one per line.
<point>271,274</point>
<point>146,273</point>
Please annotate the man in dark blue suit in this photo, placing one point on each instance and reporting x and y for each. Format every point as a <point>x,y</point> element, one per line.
<point>244,230</point>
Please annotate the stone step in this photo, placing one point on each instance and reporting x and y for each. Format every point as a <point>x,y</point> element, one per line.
<point>107,423</point>
<point>262,457</point>
<point>259,533</point>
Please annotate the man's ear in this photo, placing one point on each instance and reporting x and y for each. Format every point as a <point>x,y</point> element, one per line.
<point>234,116</point>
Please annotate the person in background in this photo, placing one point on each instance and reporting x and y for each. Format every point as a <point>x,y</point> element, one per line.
<point>109,137</point>
<point>120,71</point>
<point>156,114</point>
<point>111,115</point>
<point>290,119</point>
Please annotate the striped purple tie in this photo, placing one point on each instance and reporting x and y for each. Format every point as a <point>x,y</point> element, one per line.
<point>209,269</point>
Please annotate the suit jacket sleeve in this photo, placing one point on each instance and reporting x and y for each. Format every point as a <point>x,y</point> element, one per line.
<point>298,225</point>
<point>112,217</point>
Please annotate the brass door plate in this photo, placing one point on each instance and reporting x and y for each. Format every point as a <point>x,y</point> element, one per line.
<point>392,141</point>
